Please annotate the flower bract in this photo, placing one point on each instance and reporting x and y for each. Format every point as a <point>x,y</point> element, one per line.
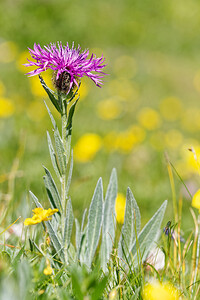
<point>40,215</point>
<point>69,64</point>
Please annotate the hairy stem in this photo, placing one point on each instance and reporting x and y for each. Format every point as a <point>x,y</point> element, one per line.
<point>66,146</point>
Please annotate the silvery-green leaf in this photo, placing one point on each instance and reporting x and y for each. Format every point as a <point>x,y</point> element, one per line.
<point>83,220</point>
<point>148,235</point>
<point>95,217</point>
<point>53,156</point>
<point>55,240</point>
<point>50,94</point>
<point>51,116</point>
<point>109,221</point>
<point>78,236</point>
<point>35,199</point>
<point>132,223</point>
<point>60,151</point>
<point>72,253</point>
<point>69,178</point>
<point>68,224</point>
<point>82,243</point>
<point>52,191</point>
<point>83,250</point>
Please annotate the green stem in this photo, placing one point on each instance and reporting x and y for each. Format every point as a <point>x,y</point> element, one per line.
<point>65,145</point>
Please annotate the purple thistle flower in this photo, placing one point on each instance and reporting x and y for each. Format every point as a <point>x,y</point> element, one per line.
<point>67,64</point>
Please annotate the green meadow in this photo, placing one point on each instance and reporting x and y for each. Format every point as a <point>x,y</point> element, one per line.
<point>144,121</point>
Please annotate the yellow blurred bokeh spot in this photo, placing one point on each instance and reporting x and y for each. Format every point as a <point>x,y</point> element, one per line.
<point>173,139</point>
<point>120,206</point>
<point>87,147</point>
<point>36,110</point>
<point>190,119</point>
<point>189,162</point>
<point>84,89</point>
<point>6,108</point>
<point>125,89</point>
<point>160,291</point>
<point>125,66</point>
<point>171,108</point>
<point>124,141</point>
<point>149,118</point>
<point>109,109</point>
<point>2,88</point>
<point>36,87</point>
<point>196,81</point>
<point>196,200</point>
<point>8,51</point>
<point>21,60</point>
<point>156,140</point>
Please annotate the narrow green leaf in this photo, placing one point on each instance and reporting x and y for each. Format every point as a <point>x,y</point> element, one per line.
<point>51,116</point>
<point>149,235</point>
<point>83,220</point>
<point>78,236</point>
<point>68,224</point>
<point>50,94</point>
<point>18,256</point>
<point>52,191</point>
<point>60,151</point>
<point>132,222</point>
<point>82,247</point>
<point>77,283</point>
<point>95,217</point>
<point>109,221</point>
<point>70,117</point>
<point>99,289</point>
<point>35,199</point>
<point>55,240</point>
<point>69,178</point>
<point>53,156</point>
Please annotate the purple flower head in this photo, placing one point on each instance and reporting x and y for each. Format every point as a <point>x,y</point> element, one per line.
<point>68,64</point>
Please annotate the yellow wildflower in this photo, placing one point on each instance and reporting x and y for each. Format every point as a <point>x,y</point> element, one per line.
<point>120,208</point>
<point>87,146</point>
<point>196,200</point>
<point>40,215</point>
<point>48,270</point>
<point>157,291</point>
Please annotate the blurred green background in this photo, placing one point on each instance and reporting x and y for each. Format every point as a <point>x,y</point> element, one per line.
<point>149,103</point>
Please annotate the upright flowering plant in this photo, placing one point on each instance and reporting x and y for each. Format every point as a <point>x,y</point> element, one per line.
<point>69,65</point>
